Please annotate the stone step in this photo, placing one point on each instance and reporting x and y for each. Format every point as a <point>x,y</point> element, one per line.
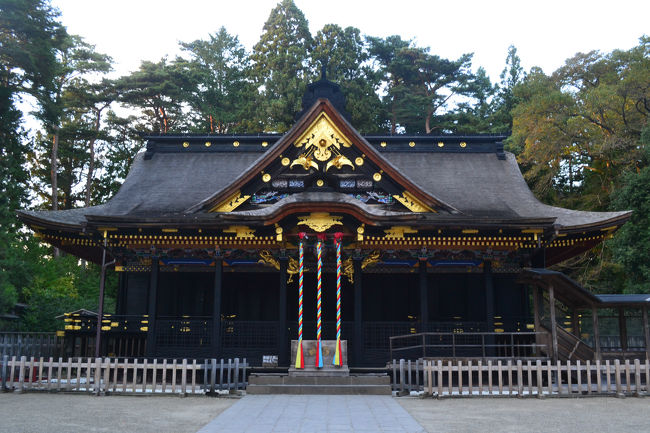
<point>283,379</point>
<point>319,389</point>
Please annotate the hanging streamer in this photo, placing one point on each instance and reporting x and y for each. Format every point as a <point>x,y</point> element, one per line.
<point>300,357</point>
<point>338,361</point>
<point>319,267</point>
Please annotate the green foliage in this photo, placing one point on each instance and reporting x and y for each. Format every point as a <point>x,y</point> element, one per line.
<point>280,66</point>
<point>62,285</point>
<point>156,91</point>
<point>344,54</point>
<point>216,84</point>
<point>631,246</point>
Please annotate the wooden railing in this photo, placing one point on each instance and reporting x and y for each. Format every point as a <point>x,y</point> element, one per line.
<point>124,376</point>
<point>520,378</point>
<point>512,345</point>
<point>38,344</point>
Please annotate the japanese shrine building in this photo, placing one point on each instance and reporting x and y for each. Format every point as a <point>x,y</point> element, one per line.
<point>440,234</point>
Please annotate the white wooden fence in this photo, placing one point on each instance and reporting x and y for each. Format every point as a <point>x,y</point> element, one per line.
<point>125,376</point>
<point>520,378</point>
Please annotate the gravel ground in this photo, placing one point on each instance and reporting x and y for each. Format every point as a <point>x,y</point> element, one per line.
<point>68,413</point>
<point>505,415</point>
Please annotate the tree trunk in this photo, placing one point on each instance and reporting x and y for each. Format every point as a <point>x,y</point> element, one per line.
<point>91,163</point>
<point>54,167</point>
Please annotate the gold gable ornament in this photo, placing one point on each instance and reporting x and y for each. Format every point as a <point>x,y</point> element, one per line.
<point>413,204</point>
<point>320,221</point>
<point>231,203</point>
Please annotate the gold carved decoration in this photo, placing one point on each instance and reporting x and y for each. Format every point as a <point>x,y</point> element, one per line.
<point>398,232</point>
<point>376,177</point>
<point>339,161</point>
<point>305,161</point>
<point>292,267</point>
<point>266,177</point>
<point>371,259</point>
<point>413,204</point>
<point>241,231</point>
<point>320,221</point>
<point>231,203</point>
<point>348,269</point>
<point>322,141</point>
<point>286,161</point>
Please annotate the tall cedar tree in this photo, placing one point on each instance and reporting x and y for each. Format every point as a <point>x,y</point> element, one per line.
<point>344,54</point>
<point>280,66</point>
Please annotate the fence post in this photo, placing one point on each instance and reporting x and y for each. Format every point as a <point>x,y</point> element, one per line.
<point>617,371</point>
<point>236,374</point>
<point>401,375</point>
<point>243,378</point>
<point>3,373</point>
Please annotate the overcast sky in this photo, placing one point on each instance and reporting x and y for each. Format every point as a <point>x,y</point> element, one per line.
<point>544,32</point>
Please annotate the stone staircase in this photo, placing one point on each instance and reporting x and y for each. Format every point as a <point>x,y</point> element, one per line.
<point>363,384</point>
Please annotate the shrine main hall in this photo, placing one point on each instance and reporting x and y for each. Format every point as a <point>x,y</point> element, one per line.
<point>438,234</point>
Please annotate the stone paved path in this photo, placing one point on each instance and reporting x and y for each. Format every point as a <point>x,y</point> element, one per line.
<point>314,413</point>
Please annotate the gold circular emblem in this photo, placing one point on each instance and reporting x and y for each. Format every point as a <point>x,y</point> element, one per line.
<point>278,230</point>
<point>266,177</point>
<point>412,144</point>
<point>235,143</point>
<point>208,144</point>
<point>286,161</point>
<point>360,230</point>
<point>463,144</point>
<point>358,160</point>
<point>320,182</point>
<point>186,144</point>
<point>383,144</point>
<point>441,144</point>
<point>376,177</point>
<point>265,143</point>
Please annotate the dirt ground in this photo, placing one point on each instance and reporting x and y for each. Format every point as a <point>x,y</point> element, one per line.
<point>512,415</point>
<point>68,413</point>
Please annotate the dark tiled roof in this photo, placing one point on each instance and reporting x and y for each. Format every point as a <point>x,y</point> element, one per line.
<point>478,184</point>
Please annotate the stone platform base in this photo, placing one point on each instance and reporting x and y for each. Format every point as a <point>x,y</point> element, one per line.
<point>309,351</point>
<point>366,384</point>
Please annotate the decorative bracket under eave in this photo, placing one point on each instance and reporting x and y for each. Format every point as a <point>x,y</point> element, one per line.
<point>231,203</point>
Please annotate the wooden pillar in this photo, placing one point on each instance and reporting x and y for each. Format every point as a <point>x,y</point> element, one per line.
<point>216,306</point>
<point>424,296</point>
<point>622,328</point>
<point>489,306</point>
<point>283,347</point>
<point>596,332</point>
<point>536,314</point>
<point>551,302</point>
<point>646,332</point>
<point>153,296</point>
<point>358,312</point>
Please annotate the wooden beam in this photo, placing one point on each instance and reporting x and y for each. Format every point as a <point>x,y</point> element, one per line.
<point>283,343</point>
<point>358,312</point>
<point>622,328</point>
<point>596,332</point>
<point>646,332</point>
<point>489,305</point>
<point>424,295</point>
<point>551,302</point>
<point>216,306</point>
<point>151,311</point>
<point>536,314</point>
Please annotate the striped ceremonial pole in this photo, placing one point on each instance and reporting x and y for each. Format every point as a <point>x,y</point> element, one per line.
<point>338,361</point>
<point>300,357</point>
<point>319,268</point>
